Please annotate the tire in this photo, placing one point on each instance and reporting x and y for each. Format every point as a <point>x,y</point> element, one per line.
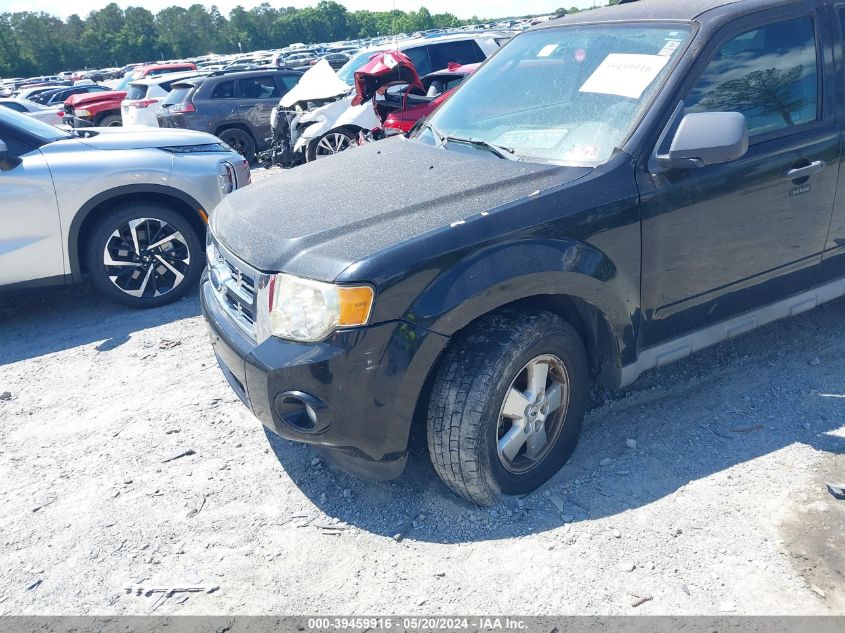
<point>470,433</point>
<point>155,277</point>
<point>330,143</point>
<point>111,120</point>
<point>239,141</point>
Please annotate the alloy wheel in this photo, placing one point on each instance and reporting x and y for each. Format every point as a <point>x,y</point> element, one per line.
<point>333,143</point>
<point>532,414</point>
<point>146,257</point>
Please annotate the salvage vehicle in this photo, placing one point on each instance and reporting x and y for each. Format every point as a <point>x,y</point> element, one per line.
<point>411,107</point>
<point>103,109</point>
<point>611,192</point>
<point>236,107</point>
<point>329,118</point>
<point>126,209</point>
<point>53,116</point>
<point>144,96</point>
<point>389,97</point>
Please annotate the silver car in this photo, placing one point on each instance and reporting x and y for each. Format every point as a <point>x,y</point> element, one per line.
<point>126,208</point>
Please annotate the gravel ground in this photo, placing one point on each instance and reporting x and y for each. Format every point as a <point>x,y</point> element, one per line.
<point>128,464</point>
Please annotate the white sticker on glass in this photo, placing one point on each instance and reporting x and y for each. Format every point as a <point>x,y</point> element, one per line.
<point>625,75</point>
<point>671,47</point>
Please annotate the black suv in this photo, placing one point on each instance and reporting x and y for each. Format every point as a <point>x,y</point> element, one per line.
<point>609,193</point>
<point>235,106</point>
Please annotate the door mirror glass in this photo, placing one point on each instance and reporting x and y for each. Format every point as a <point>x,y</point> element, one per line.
<point>707,138</point>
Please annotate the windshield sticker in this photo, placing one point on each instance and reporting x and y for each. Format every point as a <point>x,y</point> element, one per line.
<point>532,139</point>
<point>547,50</point>
<point>583,153</point>
<point>625,75</point>
<point>580,55</point>
<point>671,47</point>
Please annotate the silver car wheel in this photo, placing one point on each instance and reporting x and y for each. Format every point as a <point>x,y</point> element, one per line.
<point>532,414</point>
<point>333,143</point>
<point>146,257</point>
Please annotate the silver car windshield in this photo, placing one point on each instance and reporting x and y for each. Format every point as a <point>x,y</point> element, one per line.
<point>34,127</point>
<point>567,95</point>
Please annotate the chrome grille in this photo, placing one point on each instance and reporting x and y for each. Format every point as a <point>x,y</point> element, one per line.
<point>234,284</point>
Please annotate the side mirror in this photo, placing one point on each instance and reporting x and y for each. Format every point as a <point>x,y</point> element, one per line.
<point>707,138</point>
<point>7,161</point>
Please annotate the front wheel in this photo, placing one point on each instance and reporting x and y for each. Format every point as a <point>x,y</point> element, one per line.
<point>144,255</point>
<point>334,142</point>
<point>507,405</point>
<point>112,120</point>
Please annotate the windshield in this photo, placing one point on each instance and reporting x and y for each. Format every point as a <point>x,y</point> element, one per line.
<point>34,127</point>
<point>130,76</point>
<point>347,71</point>
<point>566,96</point>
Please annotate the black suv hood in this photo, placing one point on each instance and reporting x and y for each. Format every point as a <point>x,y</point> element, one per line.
<point>317,220</point>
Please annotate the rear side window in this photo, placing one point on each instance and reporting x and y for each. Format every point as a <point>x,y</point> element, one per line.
<point>769,74</point>
<point>224,90</point>
<point>136,91</point>
<point>263,87</point>
<point>463,52</point>
<point>179,94</point>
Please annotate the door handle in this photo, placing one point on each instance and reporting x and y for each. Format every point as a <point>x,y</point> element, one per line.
<point>805,172</point>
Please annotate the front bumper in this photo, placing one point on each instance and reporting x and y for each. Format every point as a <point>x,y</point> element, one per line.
<point>75,121</point>
<point>363,385</point>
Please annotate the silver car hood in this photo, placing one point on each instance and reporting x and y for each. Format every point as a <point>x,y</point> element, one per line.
<point>142,138</point>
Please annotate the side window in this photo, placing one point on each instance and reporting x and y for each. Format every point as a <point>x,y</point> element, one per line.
<point>263,87</point>
<point>224,90</point>
<point>463,52</point>
<point>287,82</point>
<point>419,56</point>
<point>770,74</point>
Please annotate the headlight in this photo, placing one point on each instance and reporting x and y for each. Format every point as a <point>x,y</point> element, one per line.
<point>308,311</point>
<point>82,112</point>
<point>226,178</point>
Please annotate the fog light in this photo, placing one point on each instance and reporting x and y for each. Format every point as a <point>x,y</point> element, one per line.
<point>301,412</point>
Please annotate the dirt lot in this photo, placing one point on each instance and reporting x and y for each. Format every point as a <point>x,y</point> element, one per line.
<point>717,506</point>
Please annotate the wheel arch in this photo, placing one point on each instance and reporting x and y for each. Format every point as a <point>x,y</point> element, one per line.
<point>91,212</point>
<point>586,290</point>
<point>237,125</point>
<point>98,118</point>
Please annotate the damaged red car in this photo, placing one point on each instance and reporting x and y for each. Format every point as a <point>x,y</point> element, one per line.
<point>438,86</point>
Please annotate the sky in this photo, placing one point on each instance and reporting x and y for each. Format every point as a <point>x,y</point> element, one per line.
<point>488,8</point>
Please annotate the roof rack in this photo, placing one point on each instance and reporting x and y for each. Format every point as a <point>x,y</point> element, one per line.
<point>218,73</point>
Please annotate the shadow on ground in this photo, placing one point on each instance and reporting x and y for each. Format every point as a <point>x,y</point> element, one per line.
<point>725,406</point>
<point>41,322</point>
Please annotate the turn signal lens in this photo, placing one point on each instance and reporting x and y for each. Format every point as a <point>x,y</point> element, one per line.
<point>355,305</point>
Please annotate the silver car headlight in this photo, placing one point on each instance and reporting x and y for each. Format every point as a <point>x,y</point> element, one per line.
<point>227,179</point>
<point>307,311</point>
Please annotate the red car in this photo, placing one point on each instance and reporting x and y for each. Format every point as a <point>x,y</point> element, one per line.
<point>438,86</point>
<point>102,109</point>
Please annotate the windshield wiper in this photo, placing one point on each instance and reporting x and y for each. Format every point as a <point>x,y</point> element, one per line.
<point>508,153</point>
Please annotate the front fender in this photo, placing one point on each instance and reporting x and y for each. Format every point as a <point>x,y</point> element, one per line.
<point>503,274</point>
